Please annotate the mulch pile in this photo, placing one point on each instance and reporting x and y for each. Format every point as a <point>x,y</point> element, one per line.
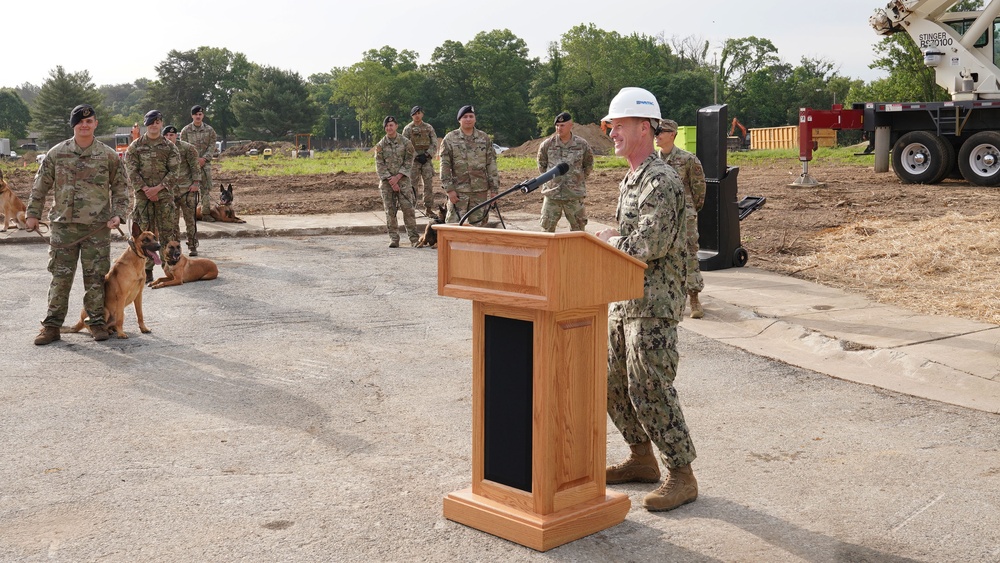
<point>599,142</point>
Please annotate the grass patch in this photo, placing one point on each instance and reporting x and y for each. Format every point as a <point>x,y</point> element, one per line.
<point>836,155</point>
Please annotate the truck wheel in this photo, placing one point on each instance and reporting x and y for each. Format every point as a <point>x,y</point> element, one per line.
<point>979,159</point>
<point>919,157</point>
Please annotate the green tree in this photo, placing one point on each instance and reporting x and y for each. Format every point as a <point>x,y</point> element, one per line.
<point>59,94</point>
<point>274,105</point>
<point>206,76</point>
<point>548,96</point>
<point>502,74</point>
<point>14,114</point>
<point>365,86</point>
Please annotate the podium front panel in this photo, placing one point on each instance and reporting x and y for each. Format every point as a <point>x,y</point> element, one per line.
<point>507,401</point>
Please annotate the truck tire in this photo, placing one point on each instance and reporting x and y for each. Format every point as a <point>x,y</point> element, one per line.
<point>979,159</point>
<point>920,157</point>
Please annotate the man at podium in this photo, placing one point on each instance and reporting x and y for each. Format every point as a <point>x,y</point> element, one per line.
<point>642,333</point>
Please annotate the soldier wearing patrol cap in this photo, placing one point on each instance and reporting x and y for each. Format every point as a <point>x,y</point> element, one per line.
<point>468,169</point>
<point>90,197</point>
<point>203,137</point>
<point>393,163</point>
<point>424,140</point>
<point>154,172</point>
<point>565,194</point>
<point>642,332</point>
<point>692,174</point>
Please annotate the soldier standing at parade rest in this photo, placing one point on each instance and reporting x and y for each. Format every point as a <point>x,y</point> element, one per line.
<point>186,197</point>
<point>153,166</point>
<point>642,332</point>
<point>393,163</point>
<point>424,140</point>
<point>692,174</point>
<point>90,197</point>
<point>468,169</point>
<point>565,194</point>
<point>202,136</point>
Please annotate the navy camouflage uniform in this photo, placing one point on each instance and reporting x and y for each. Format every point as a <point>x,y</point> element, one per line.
<point>692,174</point>
<point>565,194</point>
<point>642,333</point>
<point>89,187</point>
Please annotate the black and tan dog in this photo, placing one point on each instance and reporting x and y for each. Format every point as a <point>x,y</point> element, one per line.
<point>430,236</point>
<point>124,282</point>
<point>223,212</point>
<point>12,206</point>
<point>181,269</point>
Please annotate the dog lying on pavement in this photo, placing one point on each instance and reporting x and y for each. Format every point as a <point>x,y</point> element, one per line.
<point>223,212</point>
<point>180,269</point>
<point>13,208</point>
<point>124,282</point>
<point>430,237</point>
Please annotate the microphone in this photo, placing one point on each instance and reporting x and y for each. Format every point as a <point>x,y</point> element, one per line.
<point>557,170</point>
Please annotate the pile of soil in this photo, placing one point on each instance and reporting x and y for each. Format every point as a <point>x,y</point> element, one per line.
<point>599,141</point>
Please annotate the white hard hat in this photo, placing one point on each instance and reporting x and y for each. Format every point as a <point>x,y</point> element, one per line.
<point>633,102</point>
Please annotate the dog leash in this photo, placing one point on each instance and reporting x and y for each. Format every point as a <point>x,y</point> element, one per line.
<point>77,241</point>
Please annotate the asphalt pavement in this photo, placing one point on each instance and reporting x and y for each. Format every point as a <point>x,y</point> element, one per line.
<point>947,359</point>
<point>313,403</point>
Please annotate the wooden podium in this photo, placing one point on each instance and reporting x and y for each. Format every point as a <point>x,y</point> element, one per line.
<point>539,379</point>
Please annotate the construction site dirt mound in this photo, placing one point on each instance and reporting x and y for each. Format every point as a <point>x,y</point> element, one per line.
<point>600,143</point>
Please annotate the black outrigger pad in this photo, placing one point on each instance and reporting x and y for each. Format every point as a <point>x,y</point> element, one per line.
<point>749,204</point>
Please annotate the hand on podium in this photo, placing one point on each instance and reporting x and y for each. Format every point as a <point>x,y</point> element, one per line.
<point>606,234</point>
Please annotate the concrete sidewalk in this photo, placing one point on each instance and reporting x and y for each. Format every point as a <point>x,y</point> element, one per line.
<point>804,324</point>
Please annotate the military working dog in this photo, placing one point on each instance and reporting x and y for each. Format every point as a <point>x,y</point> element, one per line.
<point>181,269</point>
<point>430,236</point>
<point>223,212</point>
<point>12,206</point>
<point>124,282</point>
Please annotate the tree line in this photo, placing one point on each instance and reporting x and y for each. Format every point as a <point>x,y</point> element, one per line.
<point>516,96</point>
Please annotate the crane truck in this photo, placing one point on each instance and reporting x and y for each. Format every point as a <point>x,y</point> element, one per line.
<point>929,141</point>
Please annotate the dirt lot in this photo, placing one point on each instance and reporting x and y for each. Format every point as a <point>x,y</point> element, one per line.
<point>931,249</point>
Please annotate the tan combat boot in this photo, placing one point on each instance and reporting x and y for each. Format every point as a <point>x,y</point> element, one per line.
<point>99,333</point>
<point>47,335</point>
<point>696,310</point>
<point>639,467</point>
<point>679,489</point>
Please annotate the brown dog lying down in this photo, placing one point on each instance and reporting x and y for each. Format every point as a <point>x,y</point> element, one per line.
<point>430,236</point>
<point>124,282</point>
<point>12,206</point>
<point>181,269</point>
<point>223,212</point>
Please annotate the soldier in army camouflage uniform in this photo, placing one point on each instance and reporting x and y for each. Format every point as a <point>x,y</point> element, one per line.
<point>565,194</point>
<point>153,166</point>
<point>692,174</point>
<point>393,163</point>
<point>186,197</point>
<point>468,169</point>
<point>424,140</point>
<point>203,137</point>
<point>90,197</point>
<point>642,333</point>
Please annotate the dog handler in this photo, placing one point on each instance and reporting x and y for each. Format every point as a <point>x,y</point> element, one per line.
<point>565,194</point>
<point>468,169</point>
<point>90,197</point>
<point>393,163</point>
<point>153,165</point>
<point>186,198</point>
<point>424,140</point>
<point>202,136</point>
<point>642,333</point>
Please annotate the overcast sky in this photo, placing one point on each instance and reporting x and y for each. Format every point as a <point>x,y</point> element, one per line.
<point>118,42</point>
